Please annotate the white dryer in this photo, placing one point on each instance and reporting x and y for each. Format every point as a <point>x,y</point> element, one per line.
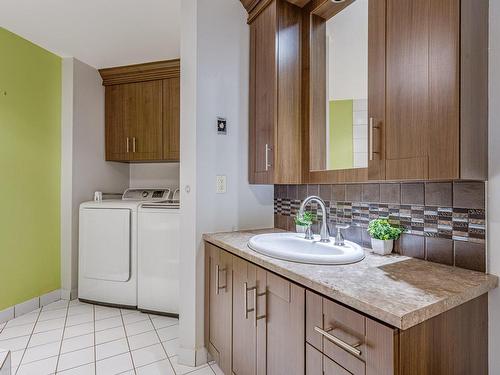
<point>108,241</point>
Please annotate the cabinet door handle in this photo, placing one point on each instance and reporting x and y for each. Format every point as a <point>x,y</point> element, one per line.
<point>128,145</point>
<point>218,270</point>
<point>370,146</point>
<point>253,289</point>
<point>371,139</point>
<point>133,144</point>
<point>268,164</point>
<point>340,343</point>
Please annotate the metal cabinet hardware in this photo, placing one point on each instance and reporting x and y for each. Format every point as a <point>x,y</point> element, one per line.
<point>128,145</point>
<point>372,127</point>
<point>253,289</point>
<point>133,144</point>
<point>340,343</point>
<point>218,287</point>
<point>268,163</point>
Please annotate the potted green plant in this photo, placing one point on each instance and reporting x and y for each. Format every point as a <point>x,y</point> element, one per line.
<point>383,235</point>
<point>303,222</point>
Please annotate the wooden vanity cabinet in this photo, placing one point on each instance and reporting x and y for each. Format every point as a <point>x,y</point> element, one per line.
<point>275,100</point>
<point>261,327</point>
<point>142,112</point>
<point>218,296</point>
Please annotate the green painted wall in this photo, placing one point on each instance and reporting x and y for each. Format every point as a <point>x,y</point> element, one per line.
<point>30,152</point>
<point>341,143</point>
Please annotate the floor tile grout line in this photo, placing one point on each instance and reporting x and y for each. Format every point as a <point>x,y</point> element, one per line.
<point>26,346</point>
<point>159,338</point>
<point>95,346</point>
<point>128,343</point>
<point>62,338</point>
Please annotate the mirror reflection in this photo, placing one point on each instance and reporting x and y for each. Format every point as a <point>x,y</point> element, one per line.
<point>344,128</point>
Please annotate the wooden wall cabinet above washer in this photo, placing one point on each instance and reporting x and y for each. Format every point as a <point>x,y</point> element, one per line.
<point>142,112</point>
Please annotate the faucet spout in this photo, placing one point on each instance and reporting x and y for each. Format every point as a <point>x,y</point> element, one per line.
<point>324,231</point>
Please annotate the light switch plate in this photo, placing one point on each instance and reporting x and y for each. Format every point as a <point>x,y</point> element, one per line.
<point>221,186</point>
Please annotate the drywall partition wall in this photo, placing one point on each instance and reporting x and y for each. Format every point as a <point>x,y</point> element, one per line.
<point>30,133</point>
<point>154,175</point>
<point>494,185</point>
<point>214,79</point>
<point>84,169</point>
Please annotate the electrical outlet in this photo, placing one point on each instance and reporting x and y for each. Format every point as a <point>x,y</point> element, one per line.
<point>221,184</point>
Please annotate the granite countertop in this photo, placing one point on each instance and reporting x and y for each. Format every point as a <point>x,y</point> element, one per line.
<point>395,289</point>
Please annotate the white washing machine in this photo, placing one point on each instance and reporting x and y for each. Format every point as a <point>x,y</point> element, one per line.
<point>108,242</point>
<point>158,256</point>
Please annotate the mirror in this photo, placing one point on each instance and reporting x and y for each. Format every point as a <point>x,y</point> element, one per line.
<point>339,86</point>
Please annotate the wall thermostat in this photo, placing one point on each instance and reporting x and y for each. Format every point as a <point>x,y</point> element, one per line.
<point>221,125</point>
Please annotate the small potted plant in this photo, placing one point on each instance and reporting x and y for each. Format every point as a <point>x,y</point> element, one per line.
<point>383,235</point>
<point>303,222</point>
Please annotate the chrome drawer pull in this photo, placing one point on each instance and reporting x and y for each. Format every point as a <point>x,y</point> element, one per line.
<point>342,344</point>
<point>246,289</point>
<point>218,270</point>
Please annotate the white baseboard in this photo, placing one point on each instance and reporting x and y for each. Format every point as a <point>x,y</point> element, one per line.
<point>29,305</point>
<point>192,357</point>
<point>69,295</point>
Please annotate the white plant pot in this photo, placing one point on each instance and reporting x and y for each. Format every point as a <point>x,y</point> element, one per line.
<point>300,228</point>
<point>382,247</point>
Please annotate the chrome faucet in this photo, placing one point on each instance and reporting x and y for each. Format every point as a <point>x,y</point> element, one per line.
<point>324,232</point>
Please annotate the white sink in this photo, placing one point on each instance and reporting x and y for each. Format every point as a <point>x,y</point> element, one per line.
<point>293,247</point>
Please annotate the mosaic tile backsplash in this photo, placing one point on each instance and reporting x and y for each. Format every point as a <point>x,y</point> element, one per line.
<point>444,222</point>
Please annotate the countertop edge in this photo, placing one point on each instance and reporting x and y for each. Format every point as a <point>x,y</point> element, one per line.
<point>401,322</point>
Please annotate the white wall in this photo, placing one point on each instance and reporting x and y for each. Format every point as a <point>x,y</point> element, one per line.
<point>214,82</point>
<point>154,175</point>
<point>84,169</point>
<point>494,184</point>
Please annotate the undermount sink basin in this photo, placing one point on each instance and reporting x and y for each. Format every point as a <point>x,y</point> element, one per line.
<point>293,247</point>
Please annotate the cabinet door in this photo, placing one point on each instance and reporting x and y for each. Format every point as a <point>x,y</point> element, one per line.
<point>263,96</point>
<point>171,119</point>
<point>376,89</point>
<point>143,119</point>
<point>422,129</point>
<point>244,356</point>
<point>285,318</point>
<point>117,144</point>
<point>218,304</point>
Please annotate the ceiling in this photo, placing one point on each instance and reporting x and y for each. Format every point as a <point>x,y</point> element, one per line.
<point>101,33</point>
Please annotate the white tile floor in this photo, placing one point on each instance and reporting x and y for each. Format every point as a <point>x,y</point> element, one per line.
<point>81,339</point>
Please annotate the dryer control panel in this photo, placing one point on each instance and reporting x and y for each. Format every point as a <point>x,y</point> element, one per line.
<point>147,195</point>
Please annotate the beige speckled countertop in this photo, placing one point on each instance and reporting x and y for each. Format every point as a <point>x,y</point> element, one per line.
<point>397,290</point>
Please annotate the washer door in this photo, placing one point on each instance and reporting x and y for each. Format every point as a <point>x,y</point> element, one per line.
<point>105,247</point>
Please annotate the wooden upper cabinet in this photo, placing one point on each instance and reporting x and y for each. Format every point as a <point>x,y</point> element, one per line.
<point>275,98</point>
<point>429,132</point>
<point>142,112</point>
<point>171,118</point>
<point>143,119</point>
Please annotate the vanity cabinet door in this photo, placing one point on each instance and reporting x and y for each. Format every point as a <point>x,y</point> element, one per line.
<point>218,294</point>
<point>285,317</point>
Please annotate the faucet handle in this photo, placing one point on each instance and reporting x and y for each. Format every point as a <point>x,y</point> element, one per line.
<point>339,238</point>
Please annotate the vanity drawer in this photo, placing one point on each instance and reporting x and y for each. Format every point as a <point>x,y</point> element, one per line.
<point>319,364</point>
<point>357,343</point>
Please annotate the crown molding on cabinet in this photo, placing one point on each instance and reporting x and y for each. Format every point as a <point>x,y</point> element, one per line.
<point>141,72</point>
<point>255,7</point>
